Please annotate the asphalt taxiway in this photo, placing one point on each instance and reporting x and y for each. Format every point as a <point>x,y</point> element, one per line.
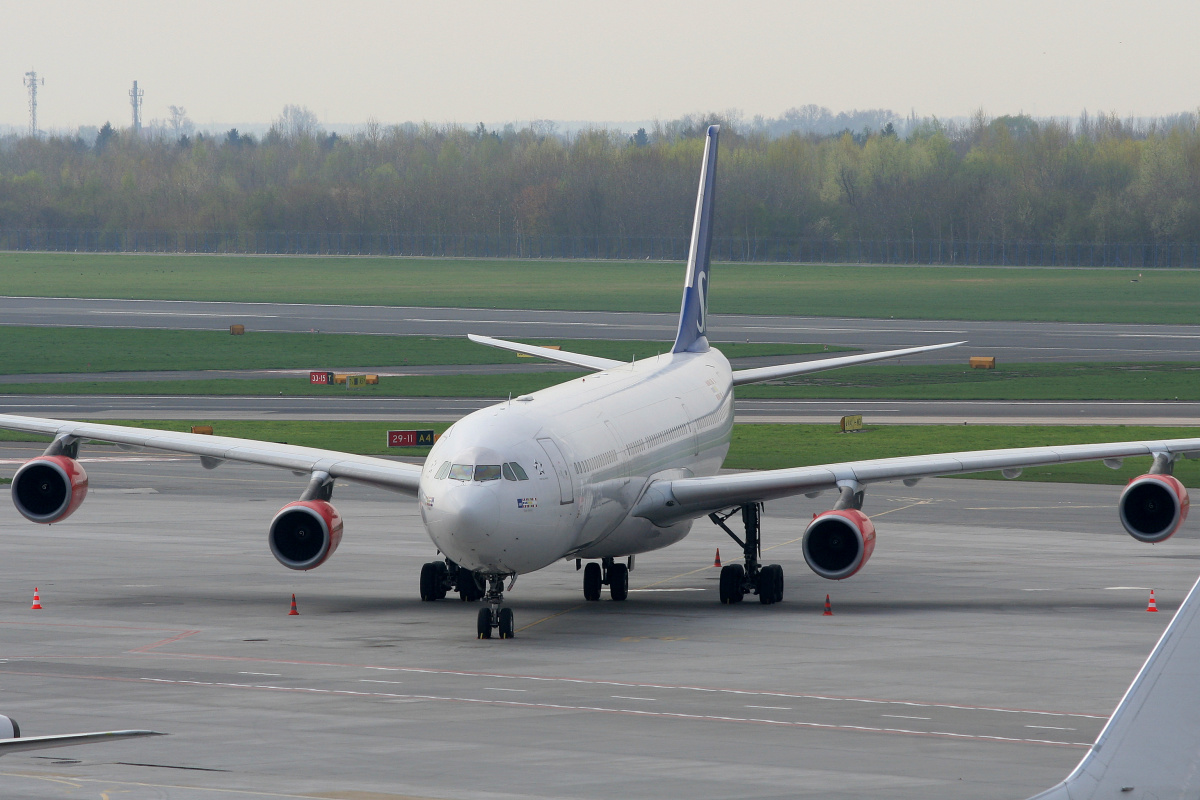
<point>996,626</point>
<point>337,406</point>
<point>1008,341</point>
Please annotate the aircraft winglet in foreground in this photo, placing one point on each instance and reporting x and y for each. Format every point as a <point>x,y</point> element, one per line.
<point>11,740</point>
<point>603,467</point>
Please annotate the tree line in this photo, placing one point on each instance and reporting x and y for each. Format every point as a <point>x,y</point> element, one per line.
<point>1092,180</point>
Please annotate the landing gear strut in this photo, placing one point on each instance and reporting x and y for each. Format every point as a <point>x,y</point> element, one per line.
<point>737,580</point>
<point>441,577</point>
<point>607,573</point>
<point>494,617</point>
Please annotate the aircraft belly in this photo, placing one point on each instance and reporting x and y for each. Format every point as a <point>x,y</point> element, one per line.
<point>635,535</point>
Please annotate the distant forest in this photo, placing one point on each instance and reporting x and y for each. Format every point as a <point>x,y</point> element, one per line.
<point>1096,179</point>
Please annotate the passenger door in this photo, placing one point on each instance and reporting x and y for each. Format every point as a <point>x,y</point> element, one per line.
<point>566,487</point>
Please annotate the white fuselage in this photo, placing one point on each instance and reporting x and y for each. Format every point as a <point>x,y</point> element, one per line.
<point>587,448</point>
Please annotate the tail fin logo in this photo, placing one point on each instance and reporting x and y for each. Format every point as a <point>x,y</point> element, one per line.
<point>702,306</point>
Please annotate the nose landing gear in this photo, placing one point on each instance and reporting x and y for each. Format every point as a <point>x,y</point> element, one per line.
<point>737,581</point>
<point>494,617</point>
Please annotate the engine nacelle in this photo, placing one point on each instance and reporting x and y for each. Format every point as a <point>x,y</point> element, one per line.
<point>838,543</point>
<point>9,729</point>
<point>305,533</point>
<point>1152,507</point>
<point>49,488</point>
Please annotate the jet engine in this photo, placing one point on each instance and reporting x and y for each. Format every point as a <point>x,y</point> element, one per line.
<point>305,533</point>
<point>1153,506</point>
<point>838,543</point>
<point>49,488</point>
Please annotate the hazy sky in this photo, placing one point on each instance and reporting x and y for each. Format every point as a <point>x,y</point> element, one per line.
<point>611,61</point>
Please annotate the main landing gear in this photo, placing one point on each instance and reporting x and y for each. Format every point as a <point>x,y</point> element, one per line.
<point>737,581</point>
<point>494,617</point>
<point>607,573</point>
<point>438,578</point>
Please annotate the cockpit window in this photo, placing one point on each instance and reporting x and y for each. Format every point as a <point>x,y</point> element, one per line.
<point>508,473</point>
<point>462,472</point>
<point>520,473</point>
<point>487,472</point>
<point>442,470</point>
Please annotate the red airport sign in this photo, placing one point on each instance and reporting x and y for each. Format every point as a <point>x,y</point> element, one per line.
<point>410,438</point>
<point>322,378</point>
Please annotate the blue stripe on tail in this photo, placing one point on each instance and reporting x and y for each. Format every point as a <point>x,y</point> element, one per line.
<point>692,336</point>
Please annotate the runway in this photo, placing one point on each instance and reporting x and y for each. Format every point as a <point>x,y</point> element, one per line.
<point>443,409</point>
<point>974,657</point>
<point>1009,341</point>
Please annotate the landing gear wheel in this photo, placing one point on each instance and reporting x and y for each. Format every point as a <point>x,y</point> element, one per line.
<point>506,623</point>
<point>731,583</point>
<point>429,581</point>
<point>483,625</point>
<point>618,582</point>
<point>592,581</point>
<point>777,571</point>
<point>441,574</point>
<point>468,587</point>
<point>770,584</point>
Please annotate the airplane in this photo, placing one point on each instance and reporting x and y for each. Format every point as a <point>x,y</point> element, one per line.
<point>1150,747</point>
<point>11,740</point>
<point>601,468</point>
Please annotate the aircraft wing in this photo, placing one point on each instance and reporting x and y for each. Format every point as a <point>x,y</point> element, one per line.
<point>67,739</point>
<point>670,501</point>
<point>213,450</point>
<point>561,356</point>
<point>744,376</point>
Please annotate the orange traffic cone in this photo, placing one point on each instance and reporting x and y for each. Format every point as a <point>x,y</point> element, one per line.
<point>1152,607</point>
<point>37,601</point>
<point>717,560</point>
<point>293,612</point>
<point>828,608</point>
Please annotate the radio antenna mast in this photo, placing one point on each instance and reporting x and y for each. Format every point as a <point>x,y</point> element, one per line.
<point>135,100</point>
<point>33,81</point>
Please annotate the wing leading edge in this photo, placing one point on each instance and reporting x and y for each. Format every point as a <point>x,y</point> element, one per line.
<point>758,374</point>
<point>668,502</point>
<point>380,472</point>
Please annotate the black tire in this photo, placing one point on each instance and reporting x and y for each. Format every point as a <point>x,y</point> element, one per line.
<point>766,586</point>
<point>618,582</point>
<point>507,624</point>
<point>468,589</point>
<point>428,581</point>
<point>483,623</point>
<point>731,583</point>
<point>440,573</point>
<point>592,581</point>
<point>778,571</point>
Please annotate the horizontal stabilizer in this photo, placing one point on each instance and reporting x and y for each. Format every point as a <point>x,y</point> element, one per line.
<point>561,356</point>
<point>744,376</point>
<point>66,740</point>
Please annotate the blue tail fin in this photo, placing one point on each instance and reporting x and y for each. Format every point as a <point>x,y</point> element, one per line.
<point>692,336</point>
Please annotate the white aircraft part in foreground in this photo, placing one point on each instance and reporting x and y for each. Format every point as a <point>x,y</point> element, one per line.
<point>603,467</point>
<point>11,740</point>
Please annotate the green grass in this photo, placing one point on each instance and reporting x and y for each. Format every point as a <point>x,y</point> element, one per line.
<point>31,350</point>
<point>765,446</point>
<point>1117,382</point>
<point>1069,295</point>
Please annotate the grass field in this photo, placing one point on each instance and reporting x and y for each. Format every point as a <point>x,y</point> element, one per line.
<point>1127,382</point>
<point>764,446</point>
<point>27,350</point>
<point>983,293</point>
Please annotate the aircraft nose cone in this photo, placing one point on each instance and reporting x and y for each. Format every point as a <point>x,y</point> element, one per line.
<point>468,527</point>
